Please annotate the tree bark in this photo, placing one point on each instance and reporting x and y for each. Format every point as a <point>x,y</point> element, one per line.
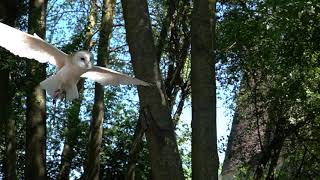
<point>95,138</point>
<point>73,112</point>
<point>205,160</point>
<point>162,144</point>
<point>249,136</point>
<point>8,12</point>
<point>36,101</point>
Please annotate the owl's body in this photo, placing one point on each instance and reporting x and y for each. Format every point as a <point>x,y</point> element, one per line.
<point>64,81</point>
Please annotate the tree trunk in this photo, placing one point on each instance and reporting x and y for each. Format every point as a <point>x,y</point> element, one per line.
<point>8,12</point>
<point>73,112</point>
<point>36,101</point>
<point>249,134</point>
<point>95,138</point>
<point>205,160</point>
<point>162,143</point>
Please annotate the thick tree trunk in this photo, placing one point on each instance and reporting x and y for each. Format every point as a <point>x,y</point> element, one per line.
<point>73,112</point>
<point>162,143</point>
<point>36,101</point>
<point>249,134</point>
<point>8,12</point>
<point>205,160</point>
<point>95,138</point>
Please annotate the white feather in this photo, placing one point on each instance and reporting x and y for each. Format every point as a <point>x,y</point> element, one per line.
<point>72,92</point>
<point>107,76</point>
<point>54,83</point>
<point>33,47</point>
<point>51,84</point>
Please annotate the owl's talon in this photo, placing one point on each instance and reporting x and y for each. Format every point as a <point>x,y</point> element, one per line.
<point>58,94</point>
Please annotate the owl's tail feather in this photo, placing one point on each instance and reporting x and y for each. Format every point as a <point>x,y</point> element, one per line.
<point>72,92</point>
<point>53,87</point>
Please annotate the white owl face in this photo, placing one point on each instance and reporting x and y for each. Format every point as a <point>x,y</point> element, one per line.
<point>82,59</point>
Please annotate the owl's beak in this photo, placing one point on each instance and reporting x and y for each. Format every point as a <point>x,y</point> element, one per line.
<point>89,65</point>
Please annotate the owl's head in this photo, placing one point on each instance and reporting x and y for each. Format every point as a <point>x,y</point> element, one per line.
<point>82,59</point>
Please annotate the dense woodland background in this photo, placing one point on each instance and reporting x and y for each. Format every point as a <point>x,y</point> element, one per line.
<point>263,54</point>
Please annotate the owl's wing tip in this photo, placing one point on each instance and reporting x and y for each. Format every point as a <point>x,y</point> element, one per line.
<point>144,83</point>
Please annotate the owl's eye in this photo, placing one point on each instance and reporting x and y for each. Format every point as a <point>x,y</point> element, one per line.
<point>82,59</point>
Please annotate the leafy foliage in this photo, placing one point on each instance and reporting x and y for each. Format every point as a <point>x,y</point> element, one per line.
<point>272,47</point>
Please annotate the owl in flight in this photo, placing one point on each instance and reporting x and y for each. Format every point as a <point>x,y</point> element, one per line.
<point>70,68</point>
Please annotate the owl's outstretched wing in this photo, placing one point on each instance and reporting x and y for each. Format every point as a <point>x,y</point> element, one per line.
<point>28,46</point>
<point>107,76</point>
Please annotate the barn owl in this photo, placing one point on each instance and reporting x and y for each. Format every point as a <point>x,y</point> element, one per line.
<point>70,68</point>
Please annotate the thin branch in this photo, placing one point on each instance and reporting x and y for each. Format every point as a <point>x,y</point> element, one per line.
<point>185,91</point>
<point>165,28</point>
<point>136,146</point>
<point>302,161</point>
<point>256,109</point>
